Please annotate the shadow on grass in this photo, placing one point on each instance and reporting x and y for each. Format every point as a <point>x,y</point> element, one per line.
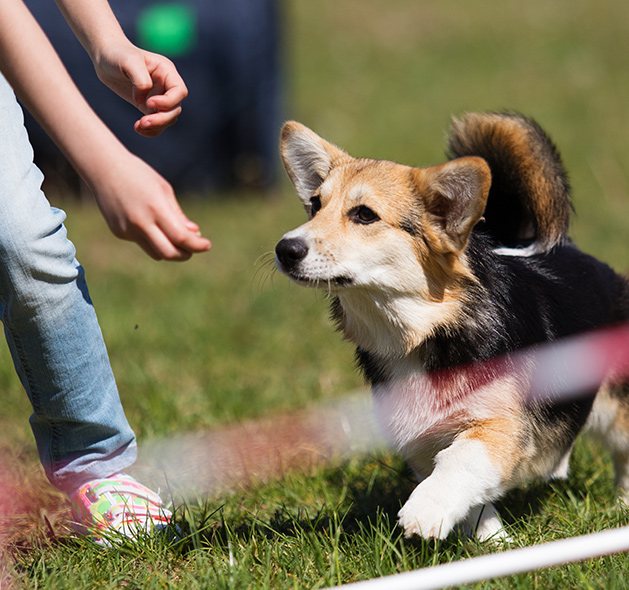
<point>374,491</point>
<point>367,515</point>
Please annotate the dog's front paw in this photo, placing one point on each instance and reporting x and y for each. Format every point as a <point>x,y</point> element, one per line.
<point>463,477</point>
<point>428,513</point>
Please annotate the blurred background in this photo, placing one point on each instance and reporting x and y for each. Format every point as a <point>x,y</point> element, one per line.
<point>380,78</point>
<point>228,52</point>
<point>223,337</point>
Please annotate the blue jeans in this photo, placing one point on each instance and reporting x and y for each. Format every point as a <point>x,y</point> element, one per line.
<point>50,324</point>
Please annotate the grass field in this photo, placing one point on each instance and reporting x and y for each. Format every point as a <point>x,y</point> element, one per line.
<point>223,339</point>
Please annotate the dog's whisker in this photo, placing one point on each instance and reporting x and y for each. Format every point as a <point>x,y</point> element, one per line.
<point>264,257</point>
<point>265,269</point>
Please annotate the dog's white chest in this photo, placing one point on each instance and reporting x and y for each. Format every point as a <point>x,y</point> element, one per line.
<point>420,415</point>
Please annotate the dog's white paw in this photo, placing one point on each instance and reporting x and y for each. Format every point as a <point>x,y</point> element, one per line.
<point>484,523</point>
<point>428,513</point>
<point>463,478</point>
<point>429,518</point>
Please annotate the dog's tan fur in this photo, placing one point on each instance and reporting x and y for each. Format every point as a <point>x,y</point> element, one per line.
<point>413,202</point>
<point>543,184</point>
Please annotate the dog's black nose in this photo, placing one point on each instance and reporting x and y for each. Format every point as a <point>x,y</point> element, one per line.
<point>290,251</point>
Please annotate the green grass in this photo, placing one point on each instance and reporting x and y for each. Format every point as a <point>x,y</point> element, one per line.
<point>223,338</point>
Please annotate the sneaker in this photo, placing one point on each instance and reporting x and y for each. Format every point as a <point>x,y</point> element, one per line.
<point>117,507</point>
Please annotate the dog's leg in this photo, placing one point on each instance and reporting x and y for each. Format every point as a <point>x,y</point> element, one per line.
<point>463,477</point>
<point>484,523</point>
<point>474,470</point>
<point>609,422</point>
<point>562,470</point>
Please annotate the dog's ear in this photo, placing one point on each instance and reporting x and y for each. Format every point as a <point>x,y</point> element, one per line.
<point>454,195</point>
<point>307,158</point>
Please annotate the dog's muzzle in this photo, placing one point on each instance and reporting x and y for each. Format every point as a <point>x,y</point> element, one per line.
<point>290,252</point>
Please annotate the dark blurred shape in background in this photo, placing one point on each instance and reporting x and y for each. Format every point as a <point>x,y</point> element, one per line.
<point>228,52</point>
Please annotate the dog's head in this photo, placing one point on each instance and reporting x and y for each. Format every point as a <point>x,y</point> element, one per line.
<point>378,230</point>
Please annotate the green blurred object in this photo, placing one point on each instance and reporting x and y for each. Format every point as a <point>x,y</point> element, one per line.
<point>169,29</point>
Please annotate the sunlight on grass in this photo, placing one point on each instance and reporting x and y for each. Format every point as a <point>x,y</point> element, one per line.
<point>225,338</point>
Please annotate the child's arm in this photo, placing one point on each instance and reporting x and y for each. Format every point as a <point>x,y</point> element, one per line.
<point>147,80</point>
<point>137,203</point>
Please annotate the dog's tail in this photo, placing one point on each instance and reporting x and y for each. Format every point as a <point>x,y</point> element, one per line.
<point>529,201</point>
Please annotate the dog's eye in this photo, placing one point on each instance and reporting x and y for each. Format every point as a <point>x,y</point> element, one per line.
<point>315,205</point>
<point>363,215</point>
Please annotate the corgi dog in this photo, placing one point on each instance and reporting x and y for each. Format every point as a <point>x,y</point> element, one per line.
<point>434,270</point>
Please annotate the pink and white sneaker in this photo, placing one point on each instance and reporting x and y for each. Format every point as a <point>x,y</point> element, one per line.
<point>117,507</point>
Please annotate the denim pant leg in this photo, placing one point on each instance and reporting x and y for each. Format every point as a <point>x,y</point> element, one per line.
<point>50,324</point>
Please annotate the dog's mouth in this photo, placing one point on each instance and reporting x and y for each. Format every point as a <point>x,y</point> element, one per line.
<point>318,282</point>
<point>290,255</point>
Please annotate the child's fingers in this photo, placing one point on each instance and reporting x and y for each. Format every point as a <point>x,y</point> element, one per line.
<point>160,247</point>
<point>176,91</point>
<point>154,123</point>
<point>181,236</point>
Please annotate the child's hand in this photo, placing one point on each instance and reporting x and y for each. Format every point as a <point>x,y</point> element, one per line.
<point>137,203</point>
<point>140,205</point>
<point>147,80</point>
